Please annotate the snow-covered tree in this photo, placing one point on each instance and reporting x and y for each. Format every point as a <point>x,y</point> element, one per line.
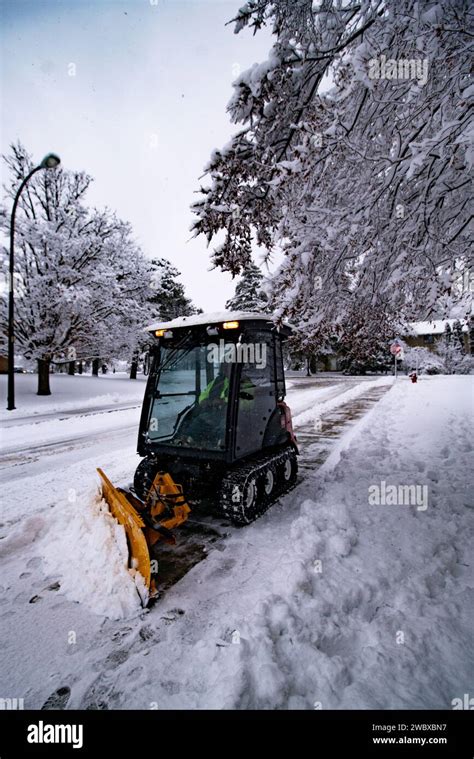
<point>364,337</point>
<point>458,336</point>
<point>364,186</point>
<point>168,297</point>
<point>80,280</point>
<point>359,336</point>
<point>249,294</point>
<point>422,360</point>
<point>451,351</point>
<point>166,300</point>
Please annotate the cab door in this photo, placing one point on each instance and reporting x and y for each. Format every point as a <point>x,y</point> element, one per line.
<point>256,398</point>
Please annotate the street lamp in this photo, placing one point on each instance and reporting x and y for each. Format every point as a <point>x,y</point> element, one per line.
<point>50,161</point>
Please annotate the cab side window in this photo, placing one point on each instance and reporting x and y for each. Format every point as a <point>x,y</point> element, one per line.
<point>256,398</point>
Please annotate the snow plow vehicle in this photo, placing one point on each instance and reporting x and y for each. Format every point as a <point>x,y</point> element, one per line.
<point>215,432</point>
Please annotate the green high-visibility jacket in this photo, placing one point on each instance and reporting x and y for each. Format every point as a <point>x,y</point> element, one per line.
<point>246,386</point>
<point>224,392</point>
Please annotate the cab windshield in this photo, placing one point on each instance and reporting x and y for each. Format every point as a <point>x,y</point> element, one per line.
<point>191,397</point>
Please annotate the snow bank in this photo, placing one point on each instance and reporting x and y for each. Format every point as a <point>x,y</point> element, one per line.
<point>23,535</point>
<point>86,549</point>
<point>377,612</point>
<point>324,406</point>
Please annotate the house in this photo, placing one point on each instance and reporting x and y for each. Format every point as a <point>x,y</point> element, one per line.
<point>428,334</point>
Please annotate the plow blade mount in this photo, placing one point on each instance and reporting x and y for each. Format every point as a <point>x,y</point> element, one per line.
<point>126,515</point>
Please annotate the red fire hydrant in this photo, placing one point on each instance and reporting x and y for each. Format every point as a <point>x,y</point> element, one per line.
<point>413,377</point>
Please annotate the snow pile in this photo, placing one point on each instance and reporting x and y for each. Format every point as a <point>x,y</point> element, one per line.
<point>86,550</point>
<point>331,403</point>
<point>21,536</point>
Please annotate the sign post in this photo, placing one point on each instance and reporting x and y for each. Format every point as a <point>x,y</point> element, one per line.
<point>396,351</point>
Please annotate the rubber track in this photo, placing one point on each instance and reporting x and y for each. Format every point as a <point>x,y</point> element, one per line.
<point>232,509</point>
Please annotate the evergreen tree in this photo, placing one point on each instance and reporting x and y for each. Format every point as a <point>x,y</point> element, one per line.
<point>458,336</point>
<point>249,295</point>
<point>167,298</point>
<point>450,351</point>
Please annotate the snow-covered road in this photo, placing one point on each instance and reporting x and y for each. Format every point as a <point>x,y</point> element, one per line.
<point>56,439</point>
<point>260,623</point>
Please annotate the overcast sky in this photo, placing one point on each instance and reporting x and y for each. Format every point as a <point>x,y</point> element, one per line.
<point>134,92</point>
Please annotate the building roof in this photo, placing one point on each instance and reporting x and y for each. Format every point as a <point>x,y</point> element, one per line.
<point>434,327</point>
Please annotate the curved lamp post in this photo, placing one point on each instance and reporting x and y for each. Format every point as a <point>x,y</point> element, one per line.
<point>50,161</point>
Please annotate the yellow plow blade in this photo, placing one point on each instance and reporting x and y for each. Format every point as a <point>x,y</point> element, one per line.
<point>126,515</point>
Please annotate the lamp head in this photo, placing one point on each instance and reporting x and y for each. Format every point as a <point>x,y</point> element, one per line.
<point>50,161</point>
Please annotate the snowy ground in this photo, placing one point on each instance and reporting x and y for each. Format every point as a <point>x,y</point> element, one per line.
<point>328,601</point>
<point>68,394</point>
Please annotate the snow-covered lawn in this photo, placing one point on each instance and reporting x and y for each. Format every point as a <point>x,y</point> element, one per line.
<point>69,393</point>
<point>329,601</point>
<point>85,425</point>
